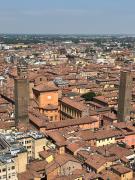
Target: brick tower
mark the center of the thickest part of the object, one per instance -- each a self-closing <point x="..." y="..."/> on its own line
<point x="21" y="94"/>
<point x="125" y="96"/>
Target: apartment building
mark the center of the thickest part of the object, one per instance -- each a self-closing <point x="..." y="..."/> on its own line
<point x="46" y="97"/>
<point x="70" y="108"/>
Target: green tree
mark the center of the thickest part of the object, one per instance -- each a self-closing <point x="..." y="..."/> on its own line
<point x="88" y="96"/>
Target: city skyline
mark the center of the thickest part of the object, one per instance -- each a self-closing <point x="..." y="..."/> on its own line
<point x="67" y="17"/>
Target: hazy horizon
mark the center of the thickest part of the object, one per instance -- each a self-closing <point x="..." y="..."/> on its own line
<point x="72" y="17"/>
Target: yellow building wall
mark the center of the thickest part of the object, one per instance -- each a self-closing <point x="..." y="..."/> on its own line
<point x="42" y="130"/>
<point x="80" y="178"/>
<point x="106" y="165"/>
<point x="27" y="143"/>
<point x="31" y="86"/>
<point x="54" y="114"/>
<point x="38" y="145"/>
<point x="62" y="150"/>
<point x="37" y="178"/>
<point x="105" y="142"/>
<point x="127" y="176"/>
<point x="8" y="171"/>
<point x="21" y="162"/>
<point x="49" y="159"/>
<point x="53" y="174"/>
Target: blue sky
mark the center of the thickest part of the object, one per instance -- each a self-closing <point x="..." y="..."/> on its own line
<point x="67" y="16"/>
